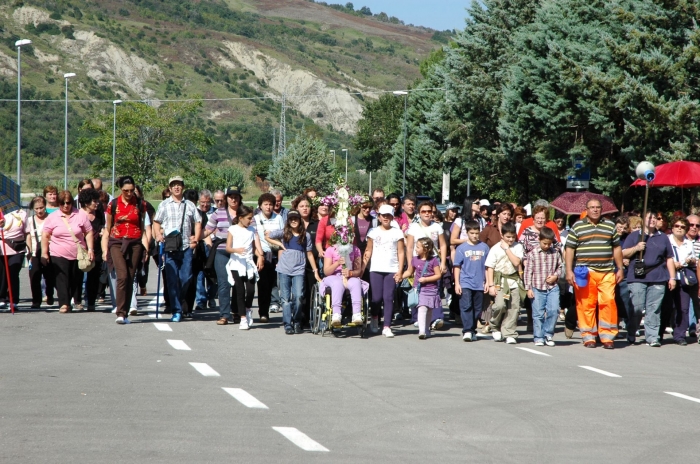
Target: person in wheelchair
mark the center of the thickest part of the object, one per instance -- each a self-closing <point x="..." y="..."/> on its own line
<point x="341" y="276"/>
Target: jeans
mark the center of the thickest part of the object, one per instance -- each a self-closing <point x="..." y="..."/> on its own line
<point x="206" y="289"/>
<point x="178" y="275"/>
<point x="223" y="287"/>
<point x="291" y="290"/>
<point x="470" y="305"/>
<point x="646" y="297"/>
<point x="623" y="300"/>
<point x="545" y="310"/>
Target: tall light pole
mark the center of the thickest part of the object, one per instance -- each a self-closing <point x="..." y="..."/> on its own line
<point x="19" y="44"/>
<point x="333" y="152"/>
<point x="66" y="76"/>
<point x="346" y="165"/>
<point x="405" y="112"/>
<point x="114" y="142"/>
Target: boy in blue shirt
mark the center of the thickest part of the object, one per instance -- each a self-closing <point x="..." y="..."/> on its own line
<point x="470" y="278"/>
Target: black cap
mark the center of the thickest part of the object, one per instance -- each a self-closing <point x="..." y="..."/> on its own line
<point x="233" y="190"/>
<point x="293" y="213"/>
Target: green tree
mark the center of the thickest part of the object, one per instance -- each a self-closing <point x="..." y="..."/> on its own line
<point x="307" y="163"/>
<point x="151" y="142"/>
<point x="378" y="129"/>
<point x="201" y="175"/>
<point x="261" y="170"/>
<point x="612" y="82"/>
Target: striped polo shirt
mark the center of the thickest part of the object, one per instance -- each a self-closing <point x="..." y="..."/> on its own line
<point x="593" y="244"/>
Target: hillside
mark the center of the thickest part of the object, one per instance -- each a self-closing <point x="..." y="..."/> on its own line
<point x="230" y="52"/>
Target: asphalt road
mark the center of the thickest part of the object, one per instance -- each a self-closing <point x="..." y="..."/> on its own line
<point x="80" y="388"/>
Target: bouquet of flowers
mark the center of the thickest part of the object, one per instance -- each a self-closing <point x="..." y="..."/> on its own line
<point x="342" y="201"/>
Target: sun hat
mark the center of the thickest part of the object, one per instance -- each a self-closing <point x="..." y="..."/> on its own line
<point x="386" y="209"/>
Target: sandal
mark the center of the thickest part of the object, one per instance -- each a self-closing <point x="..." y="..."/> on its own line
<point x="65" y="309"/>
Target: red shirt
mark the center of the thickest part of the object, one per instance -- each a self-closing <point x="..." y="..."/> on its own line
<point x="324" y="231"/>
<point x="126" y="222"/>
<point x="527" y="222"/>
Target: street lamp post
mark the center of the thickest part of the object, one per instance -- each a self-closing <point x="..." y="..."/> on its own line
<point x="114" y="142"/>
<point x="346" y="165"/>
<point x="333" y="152"/>
<point x="66" y="76"/>
<point x="19" y="44"/>
<point x="405" y="112"/>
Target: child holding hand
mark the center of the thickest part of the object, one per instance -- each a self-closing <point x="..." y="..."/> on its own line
<point x="427" y="273"/>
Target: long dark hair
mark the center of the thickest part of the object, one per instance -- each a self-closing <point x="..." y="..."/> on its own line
<point x="289" y="232"/>
<point x="243" y="210"/>
<point x="467" y="213"/>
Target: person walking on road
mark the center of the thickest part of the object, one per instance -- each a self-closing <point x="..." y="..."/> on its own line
<point x="593" y="246"/>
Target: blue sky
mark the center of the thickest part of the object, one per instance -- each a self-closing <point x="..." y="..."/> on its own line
<point x="438" y="14"/>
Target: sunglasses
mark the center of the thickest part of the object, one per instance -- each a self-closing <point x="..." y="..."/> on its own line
<point x="65" y="203"/>
<point x="128" y="190"/>
<point x="427" y="211"/>
<point x="679" y="226"/>
<point x="693" y="225"/>
<point x="659" y="218"/>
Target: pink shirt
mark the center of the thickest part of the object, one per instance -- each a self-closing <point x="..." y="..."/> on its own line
<point x="15" y="229"/>
<point x="61" y="243"/>
<point x="332" y="252"/>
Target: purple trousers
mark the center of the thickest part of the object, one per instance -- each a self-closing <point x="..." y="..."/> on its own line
<point x="335" y="282"/>
<point x="383" y="286"/>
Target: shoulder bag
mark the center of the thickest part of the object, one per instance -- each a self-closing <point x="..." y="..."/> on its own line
<point x="84" y="262"/>
<point x="174" y="242"/>
<point x="414" y="292"/>
<point x="688" y="277"/>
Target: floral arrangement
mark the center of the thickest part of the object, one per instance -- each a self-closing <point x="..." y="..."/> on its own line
<point x="342" y="201"/>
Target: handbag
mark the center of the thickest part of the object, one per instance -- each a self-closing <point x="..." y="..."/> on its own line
<point x="688" y="277"/>
<point x="414" y="292"/>
<point x="84" y="262"/>
<point x="174" y="242"/>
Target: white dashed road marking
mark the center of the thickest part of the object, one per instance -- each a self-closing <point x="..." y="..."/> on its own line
<point x="163" y="327"/>
<point x="300" y="439"/>
<point x="600" y="371"/>
<point x="685" y="397"/>
<point x="205" y="370"/>
<point x="179" y="345"/>
<point x="529" y="350"/>
<point x="245" y="398"/>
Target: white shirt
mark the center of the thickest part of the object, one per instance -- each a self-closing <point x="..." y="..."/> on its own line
<point x="385" y="257"/>
<point x="275" y="222"/>
<point x="498" y="260"/>
<point x="242" y="238"/>
<point x="682" y="252"/>
<point x="433" y="232"/>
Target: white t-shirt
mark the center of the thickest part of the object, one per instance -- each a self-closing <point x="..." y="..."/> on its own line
<point x="433" y="232"/>
<point x="242" y="238"/>
<point x="499" y="261"/>
<point x="385" y="257"/>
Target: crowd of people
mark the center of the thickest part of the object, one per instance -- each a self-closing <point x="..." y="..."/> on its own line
<point x="607" y="277"/>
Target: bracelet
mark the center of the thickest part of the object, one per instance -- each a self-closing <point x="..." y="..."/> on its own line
<point x="491" y="286"/>
<point x="315" y="270"/>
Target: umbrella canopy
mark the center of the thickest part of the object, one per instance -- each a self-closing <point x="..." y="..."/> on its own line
<point x="575" y="202"/>
<point x="10" y="199"/>
<point x="684" y="174"/>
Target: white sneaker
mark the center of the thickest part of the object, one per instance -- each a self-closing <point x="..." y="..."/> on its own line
<point x="549" y="342"/>
<point x="248" y="318"/>
<point x="274" y="308"/>
<point x="422" y="336"/>
<point x="467" y="337"/>
<point x="539" y="343"/>
<point x="511" y="341"/>
<point x="127" y="321"/>
<point x="114" y="311"/>
<point x="387" y="332"/>
<point x="357" y="319"/>
<point x="243" y="325"/>
<point x="336" y="320"/>
<point x="133" y="312"/>
<point x="437" y="324"/>
<point x="120" y="320"/>
<point x="497" y="337"/>
<point x="415" y="324"/>
<point x="374" y="325"/>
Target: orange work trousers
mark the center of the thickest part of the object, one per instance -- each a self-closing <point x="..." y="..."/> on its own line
<point x="600" y="291"/>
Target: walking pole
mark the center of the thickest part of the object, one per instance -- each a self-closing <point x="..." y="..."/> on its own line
<point x="7" y="266"/>
<point x="160" y="271"/>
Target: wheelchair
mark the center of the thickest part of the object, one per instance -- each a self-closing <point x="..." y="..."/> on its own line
<point x="322" y="312"/>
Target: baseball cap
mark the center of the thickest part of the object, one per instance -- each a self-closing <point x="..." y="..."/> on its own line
<point x="293" y="213"/>
<point x="581" y="275"/>
<point x="176" y="179"/>
<point x="233" y="190"/>
<point x="386" y="209"/>
<point x="484" y="203"/>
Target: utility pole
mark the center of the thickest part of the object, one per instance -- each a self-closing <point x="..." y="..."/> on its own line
<point x="282" y="145"/>
<point x="274" y="143"/>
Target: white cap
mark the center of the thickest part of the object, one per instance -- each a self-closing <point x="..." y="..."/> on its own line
<point x="386" y="209"/>
<point x="484" y="203"/>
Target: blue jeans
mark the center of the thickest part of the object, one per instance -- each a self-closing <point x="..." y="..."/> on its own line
<point x="646" y="297"/>
<point x="291" y="290"/>
<point x="178" y="274"/>
<point x="223" y="286"/>
<point x="545" y="309"/>
<point x="206" y="289"/>
<point x="470" y="305"/>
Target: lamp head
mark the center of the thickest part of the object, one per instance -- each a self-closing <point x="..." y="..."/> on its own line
<point x="646" y="171"/>
<point x="21" y="42"/>
<point x="116" y="102"/>
<point x="68" y="75"/>
<point x="400" y="92"/>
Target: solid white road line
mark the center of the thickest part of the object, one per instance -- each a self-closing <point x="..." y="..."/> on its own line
<point x="600" y="371"/>
<point x="300" y="439"/>
<point x="685" y="397"/>
<point x="205" y="370"/>
<point x="245" y="398"/>
<point x="179" y="345"/>
<point x="530" y="350"/>
<point x="162" y="326"/>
